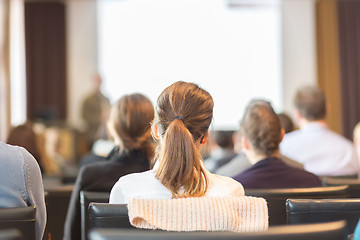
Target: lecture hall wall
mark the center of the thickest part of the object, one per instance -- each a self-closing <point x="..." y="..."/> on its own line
<point x="298" y="41"/>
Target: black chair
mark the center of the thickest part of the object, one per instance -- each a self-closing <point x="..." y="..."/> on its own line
<point x="10" y="234"/>
<point x="328" y="231"/>
<point x="104" y="215"/>
<point x="276" y="198"/>
<point x="85" y="199"/>
<point x="341" y="177"/>
<point x="57" y="203"/>
<point x="21" y="218"/>
<point x="324" y="210"/>
<point x="354" y="185"/>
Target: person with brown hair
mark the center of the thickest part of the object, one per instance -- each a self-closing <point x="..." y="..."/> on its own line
<point x="130" y="126"/>
<point x="24" y="136"/>
<point x="261" y="134"/>
<point x="183" y="116"/>
<point x="322" y="151"/>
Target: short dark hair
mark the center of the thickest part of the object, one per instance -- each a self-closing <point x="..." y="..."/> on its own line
<point x="311" y="103"/>
<point x="224" y="139"/>
<point x="262" y="128"/>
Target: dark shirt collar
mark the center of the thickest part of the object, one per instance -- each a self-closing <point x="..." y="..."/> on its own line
<point x="267" y="161"/>
<point x="127" y="156"/>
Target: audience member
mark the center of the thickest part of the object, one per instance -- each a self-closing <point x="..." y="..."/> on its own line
<point x="95" y="109"/>
<point x="322" y="151"/>
<point x="240" y="162"/>
<point x="222" y="150"/>
<point x="129" y="125"/>
<point x="25" y="136"/>
<point x="235" y="166"/>
<point x="261" y="135"/>
<point x="21" y="183"/>
<point x="183" y="116"/>
<point x="47" y="142"/>
<point x="286" y="122"/>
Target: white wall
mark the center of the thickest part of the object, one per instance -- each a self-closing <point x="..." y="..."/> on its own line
<point x="298" y="44"/>
<point x="17" y="63"/>
<point x="81" y="54"/>
<point x="299" y="48"/>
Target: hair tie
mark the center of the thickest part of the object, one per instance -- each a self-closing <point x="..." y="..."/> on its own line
<point x="179" y="117"/>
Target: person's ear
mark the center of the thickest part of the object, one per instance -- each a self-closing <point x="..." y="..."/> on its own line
<point x="205" y="138"/>
<point x="244" y="142"/>
<point x="298" y="115"/>
<point x="237" y="141"/>
<point x="155" y="131"/>
<point x="282" y="134"/>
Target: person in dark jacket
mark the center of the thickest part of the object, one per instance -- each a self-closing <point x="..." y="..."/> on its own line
<point x="261" y="134"/>
<point x="129" y="124"/>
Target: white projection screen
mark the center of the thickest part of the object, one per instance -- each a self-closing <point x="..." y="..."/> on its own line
<point x="234" y="52"/>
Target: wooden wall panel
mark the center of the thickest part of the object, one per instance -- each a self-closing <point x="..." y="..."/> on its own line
<point x="45" y="59"/>
<point x="328" y="60"/>
<point x="349" y="39"/>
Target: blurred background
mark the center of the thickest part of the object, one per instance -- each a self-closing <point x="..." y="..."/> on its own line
<point x="56" y="54"/>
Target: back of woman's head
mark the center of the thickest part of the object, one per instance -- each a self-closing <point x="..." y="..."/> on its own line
<point x="130" y="122"/>
<point x="25" y="136"/>
<point x="183" y="116"/>
<point x="261" y="127"/>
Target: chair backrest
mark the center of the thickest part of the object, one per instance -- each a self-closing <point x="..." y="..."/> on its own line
<point x="21" y="218"/>
<point x="85" y="199"/>
<point x="328" y="231"/>
<point x="105" y="215"/>
<point x="354" y="185"/>
<point x="276" y="198"/>
<point x="57" y="203"/>
<point x="324" y="210"/>
<point x="10" y="234"/>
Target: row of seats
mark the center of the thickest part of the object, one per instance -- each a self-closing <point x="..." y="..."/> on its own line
<point x="299" y="211"/>
<point x="328" y="231"/>
<point x="57" y="203"/>
<point x="275" y="197"/>
<point x="115" y="216"/>
<point x="281" y="210"/>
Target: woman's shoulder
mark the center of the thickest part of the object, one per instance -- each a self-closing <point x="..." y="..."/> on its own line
<point x="223" y="180"/>
<point x="225" y="185"/>
<point x="137" y="185"/>
<point x="135" y="178"/>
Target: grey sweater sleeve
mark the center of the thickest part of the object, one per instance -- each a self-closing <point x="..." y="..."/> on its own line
<point x="35" y="191"/>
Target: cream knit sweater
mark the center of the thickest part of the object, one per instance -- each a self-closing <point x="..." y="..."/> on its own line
<point x="237" y="214"/>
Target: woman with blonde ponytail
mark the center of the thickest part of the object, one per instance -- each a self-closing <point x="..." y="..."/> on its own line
<point x="182" y="118"/>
